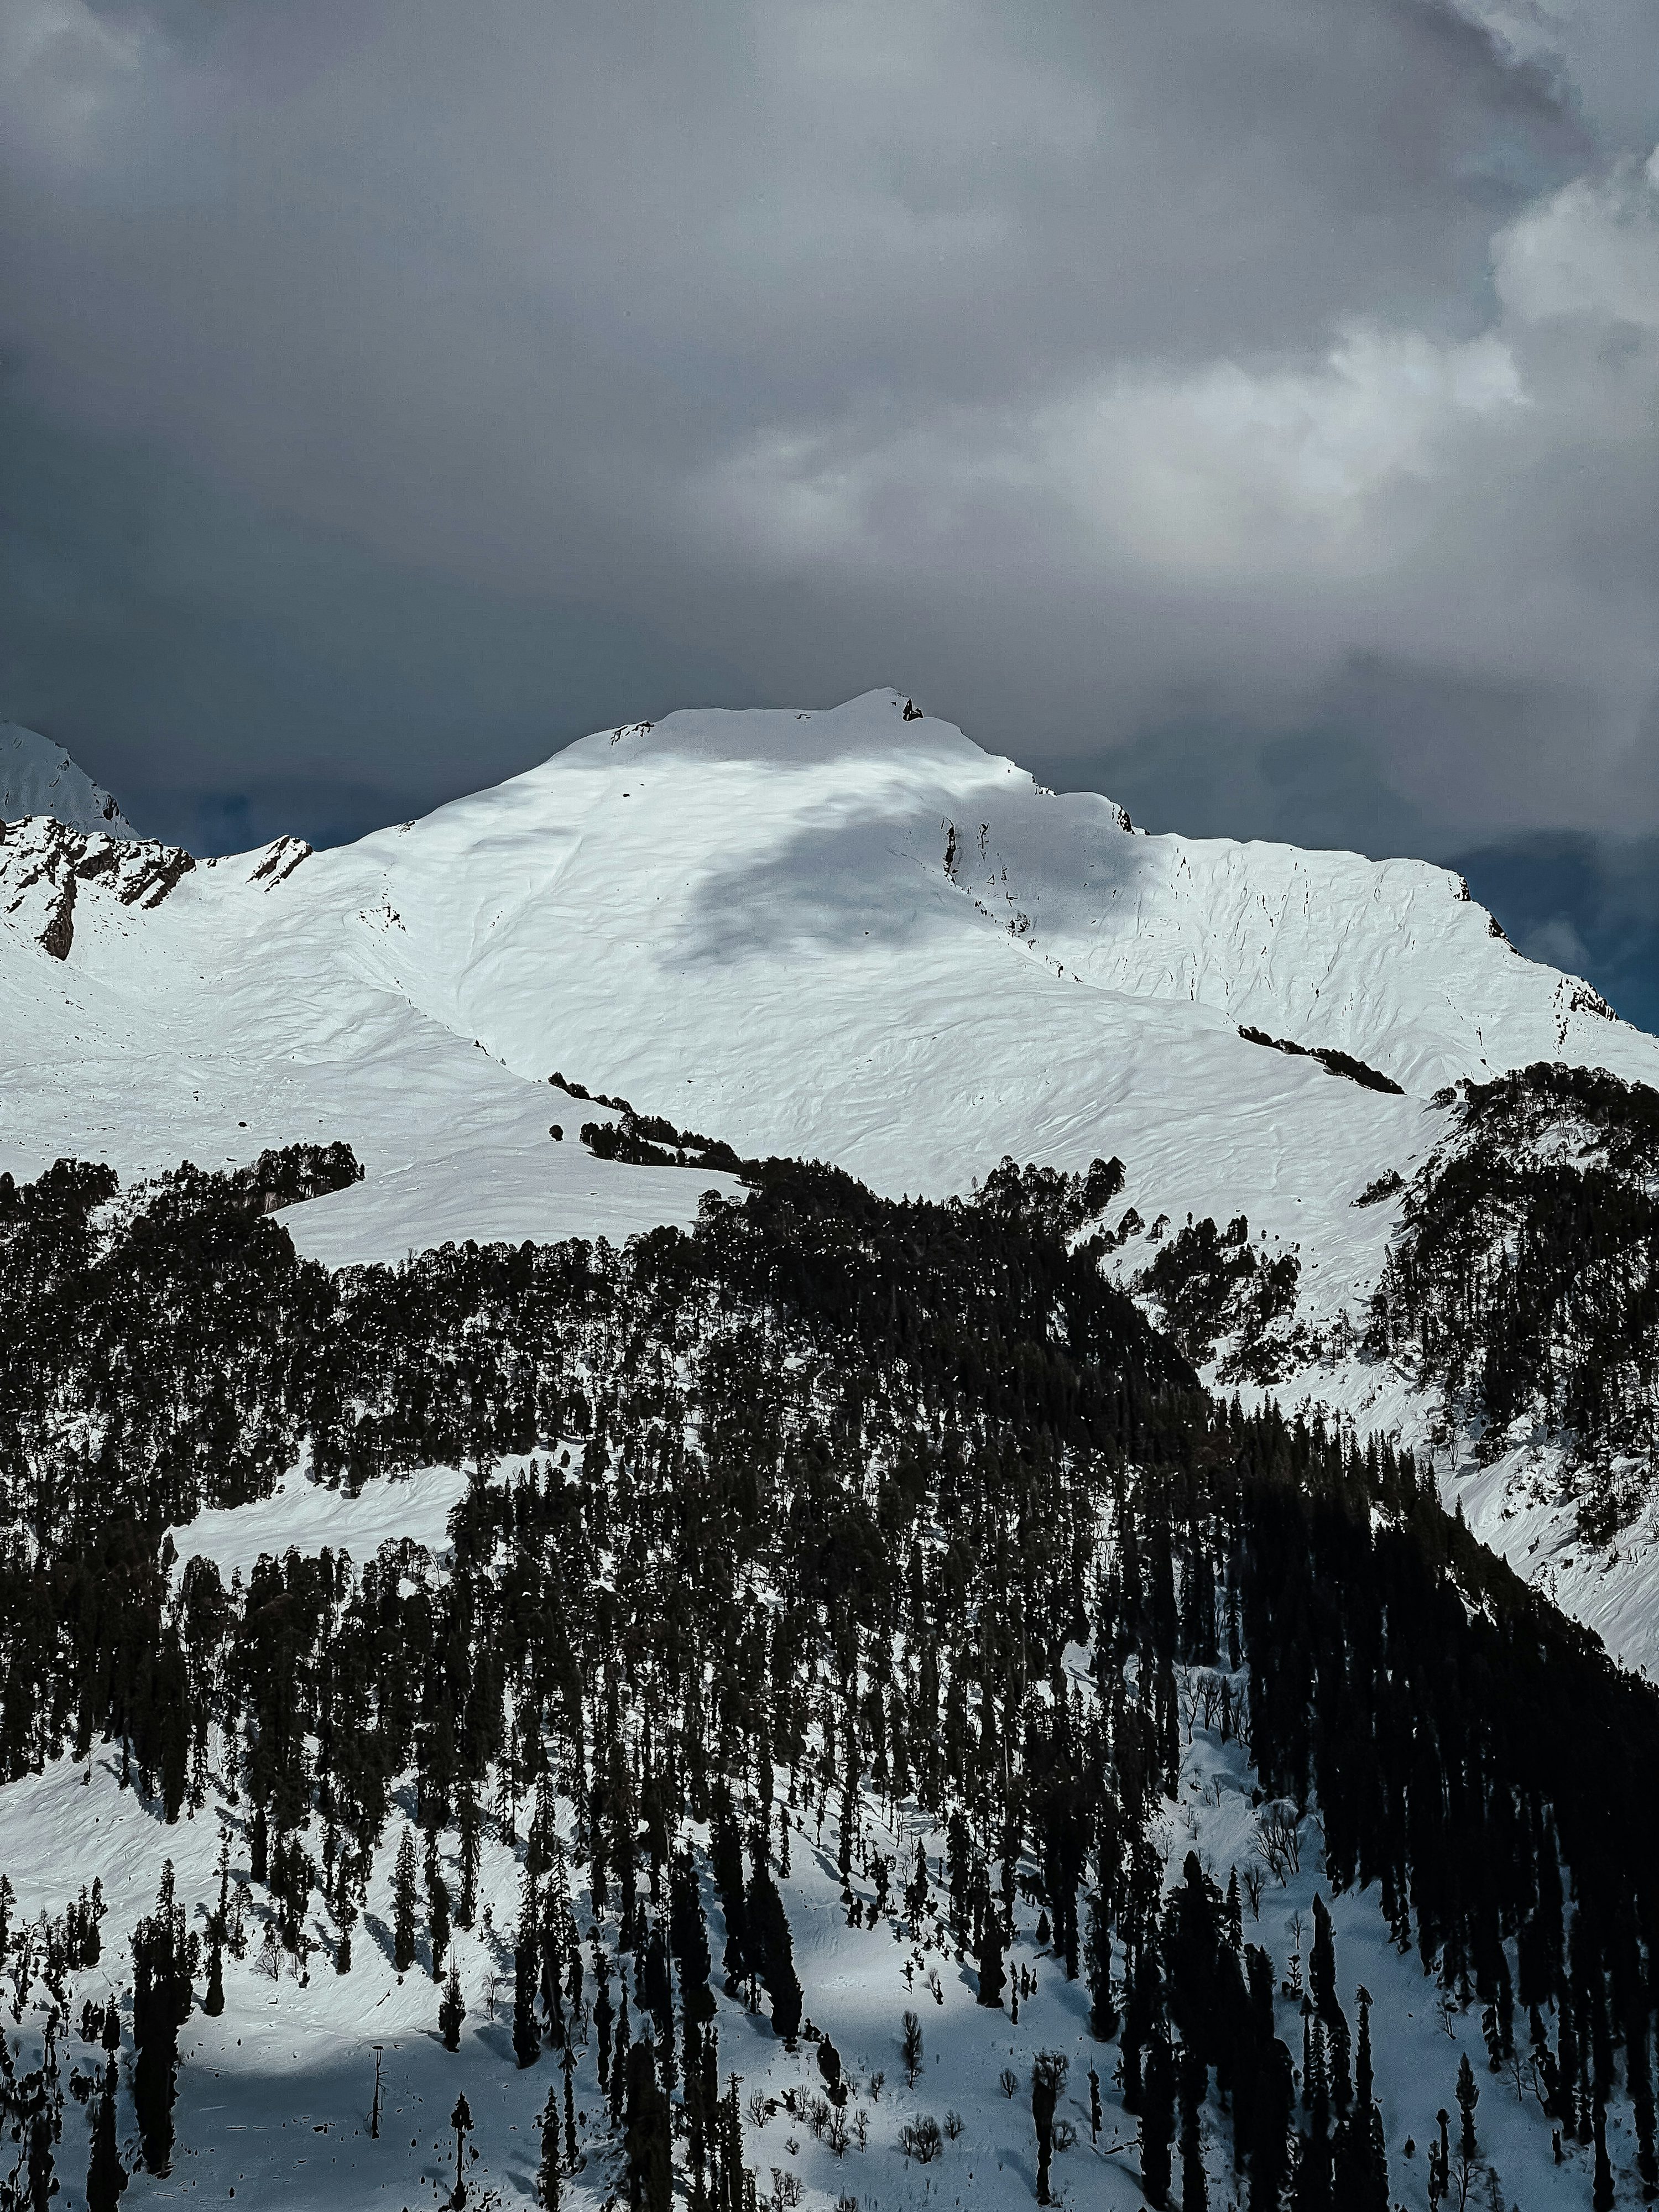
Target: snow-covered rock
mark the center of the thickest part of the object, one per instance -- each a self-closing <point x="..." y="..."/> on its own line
<point x="38" y="777"/>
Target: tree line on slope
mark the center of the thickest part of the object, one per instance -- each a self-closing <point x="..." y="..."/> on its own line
<point x="1525" y="1282"/>
<point x="816" y="1496"/>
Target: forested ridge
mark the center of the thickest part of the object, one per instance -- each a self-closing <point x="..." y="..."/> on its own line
<point x="806" y="1508"/>
<point x="1524" y="1284"/>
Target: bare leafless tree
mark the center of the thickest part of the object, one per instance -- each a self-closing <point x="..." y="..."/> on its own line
<point x="1278" y="1828"/>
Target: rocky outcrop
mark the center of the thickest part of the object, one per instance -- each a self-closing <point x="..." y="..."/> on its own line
<point x="44" y="863"/>
<point x="59" y="934"/>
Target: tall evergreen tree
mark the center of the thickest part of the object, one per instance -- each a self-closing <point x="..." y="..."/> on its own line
<point x="461" y="2120"/>
<point x="1468" y="2096"/>
<point x="1312" y="2191"/>
<point x="526" y="2034"/>
<point x="161" y="2005"/>
<point x="42" y="2185"/>
<point x="992" y="1978"/>
<point x="437" y="1900"/>
<point x="1157" y="2118"/>
<point x="646" y="2142"/>
<point x="1097" y="1968"/>
<point x="213" y="2000"/>
<point x="550" y="2172"/>
<point x="1601" y="2189"/>
<point x="107" y="2178"/>
<point x="404" y="1903"/>
<point x="1193" y="2078"/>
<point x="771" y="1952"/>
<point x="452" y="2012"/>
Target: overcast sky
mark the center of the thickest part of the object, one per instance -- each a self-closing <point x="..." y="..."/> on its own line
<point x="1251" y="410"/>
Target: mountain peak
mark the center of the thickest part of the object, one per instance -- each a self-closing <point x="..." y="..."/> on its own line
<point x="38" y="777"/>
<point x="876" y="722"/>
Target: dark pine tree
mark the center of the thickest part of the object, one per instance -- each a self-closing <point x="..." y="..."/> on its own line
<point x="42" y="2187"/>
<point x="1097" y="1968"/>
<point x="646" y="2141"/>
<point x="105" y="2175"/>
<point x="213" y="2002"/>
<point x="451" y="2011"/>
<point x="437" y="1896"/>
<point x="1602" y="2193"/>
<point x="526" y="2034"/>
<point x="161" y="2005"/>
<point x="1194" y="2080"/>
<point x="461" y="2120"/>
<point x="771" y="1952"/>
<point x="548" y="2174"/>
<point x="1048" y="2079"/>
<point x="1157" y="2118"/>
<point x="404" y="1903"/>
<point x="1312" y="2189"/>
<point x="993" y="1980"/>
<point x="1468" y="2096"/>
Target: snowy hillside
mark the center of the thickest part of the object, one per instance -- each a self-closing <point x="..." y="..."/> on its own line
<point x="38" y="777"/>
<point x="846" y="935"/>
<point x="849" y="934"/>
<point x="724" y="1768"/>
<point x="459" y="1607"/>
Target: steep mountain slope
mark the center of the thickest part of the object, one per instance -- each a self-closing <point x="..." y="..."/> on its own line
<point x="38" y="777"/>
<point x="864" y="1589"/>
<point x="849" y="934"/>
<point x="857" y="1594"/>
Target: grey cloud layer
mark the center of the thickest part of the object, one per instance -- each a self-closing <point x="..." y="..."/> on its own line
<point x="1174" y="384"/>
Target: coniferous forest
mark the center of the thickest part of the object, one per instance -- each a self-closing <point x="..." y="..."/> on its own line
<point x="1525" y="1285"/>
<point x="831" y="1506"/>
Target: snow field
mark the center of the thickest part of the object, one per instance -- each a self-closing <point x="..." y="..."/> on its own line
<point x="303" y="1515"/>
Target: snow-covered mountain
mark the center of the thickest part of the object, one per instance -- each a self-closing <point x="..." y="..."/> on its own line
<point x="850" y="936"/>
<point x="38" y="777"/>
<point x="846" y="935"/>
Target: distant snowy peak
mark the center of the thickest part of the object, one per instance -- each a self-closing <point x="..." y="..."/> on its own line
<point x="38" y="777"/>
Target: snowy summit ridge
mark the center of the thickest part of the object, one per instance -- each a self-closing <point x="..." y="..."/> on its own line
<point x="846" y="934"/>
<point x="38" y="777"/>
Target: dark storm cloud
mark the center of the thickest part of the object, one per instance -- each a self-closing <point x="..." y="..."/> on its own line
<point x="1247" y="404"/>
<point x="238" y="675"/>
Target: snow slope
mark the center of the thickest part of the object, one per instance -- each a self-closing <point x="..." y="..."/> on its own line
<point x="844" y="933"/>
<point x="38" y="777"/>
<point x="850" y="934"/>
